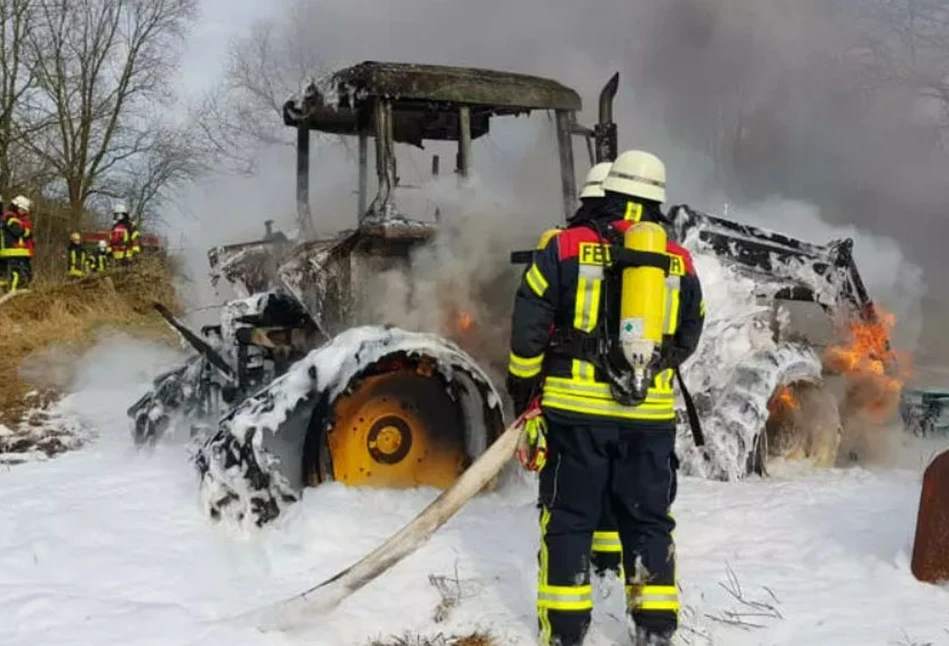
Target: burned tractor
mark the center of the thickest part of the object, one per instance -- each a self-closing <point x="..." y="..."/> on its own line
<point x="291" y="391"/>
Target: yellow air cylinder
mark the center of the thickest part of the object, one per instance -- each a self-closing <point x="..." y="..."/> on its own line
<point x="642" y="301"/>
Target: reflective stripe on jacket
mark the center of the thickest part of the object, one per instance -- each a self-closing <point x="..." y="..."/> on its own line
<point x="119" y="241"/>
<point x="13" y="237"/>
<point x="564" y="288"/>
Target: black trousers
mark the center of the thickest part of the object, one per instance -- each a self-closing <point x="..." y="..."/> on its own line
<point x="18" y="273"/>
<point x="607" y="555"/>
<point x="589" y="464"/>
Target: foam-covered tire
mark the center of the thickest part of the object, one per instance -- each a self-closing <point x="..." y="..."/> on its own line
<point x="736" y="413"/>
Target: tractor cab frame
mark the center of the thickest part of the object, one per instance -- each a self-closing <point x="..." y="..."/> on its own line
<point x="406" y="103"/>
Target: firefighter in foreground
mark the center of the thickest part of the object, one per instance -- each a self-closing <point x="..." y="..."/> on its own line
<point x="603" y="316"/>
<point x="16" y="244"/>
<point x="76" y="259"/>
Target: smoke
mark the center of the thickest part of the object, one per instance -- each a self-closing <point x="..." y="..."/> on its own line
<point x="895" y="282"/>
<point x="462" y="284"/>
<point x="114" y="360"/>
<point x="773" y="110"/>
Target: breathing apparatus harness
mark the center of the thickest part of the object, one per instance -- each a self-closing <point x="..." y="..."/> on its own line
<point x="601" y="347"/>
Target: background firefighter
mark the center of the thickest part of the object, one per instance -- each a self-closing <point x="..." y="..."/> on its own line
<point x="135" y="243"/>
<point x="565" y="326"/>
<point x="15" y="244"/>
<point x="607" y="550"/>
<point x="76" y="259"/>
<point x="120" y="239"/>
<point x="98" y="261"/>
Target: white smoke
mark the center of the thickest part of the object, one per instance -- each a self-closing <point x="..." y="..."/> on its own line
<point x="892" y="280"/>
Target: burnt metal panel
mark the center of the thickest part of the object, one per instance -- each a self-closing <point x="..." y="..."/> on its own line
<point x="462" y="85"/>
<point x="425" y="100"/>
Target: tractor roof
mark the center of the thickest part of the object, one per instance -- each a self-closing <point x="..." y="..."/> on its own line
<point x="425" y="99"/>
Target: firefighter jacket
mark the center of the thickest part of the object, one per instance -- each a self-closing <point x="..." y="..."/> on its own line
<point x="76" y="260"/>
<point x="120" y="241"/>
<point x="28" y="241"/>
<point x="98" y="261"/>
<point x="135" y="246"/>
<point x="564" y="291"/>
<point x="14" y="236"/>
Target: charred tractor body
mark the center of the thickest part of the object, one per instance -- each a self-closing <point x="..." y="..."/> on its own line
<point x="289" y="391"/>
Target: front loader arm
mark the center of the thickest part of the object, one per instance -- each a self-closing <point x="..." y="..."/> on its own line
<point x="824" y="274"/>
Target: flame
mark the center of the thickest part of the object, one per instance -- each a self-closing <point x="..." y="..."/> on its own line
<point x="783" y="401"/>
<point x="464" y="322"/>
<point x="869" y="364"/>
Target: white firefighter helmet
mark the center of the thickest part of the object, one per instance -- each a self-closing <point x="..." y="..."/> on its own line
<point x="638" y="173"/>
<point x="22" y="203"/>
<point x="101" y="245"/>
<point x="593" y="184"/>
<point x="119" y="210"/>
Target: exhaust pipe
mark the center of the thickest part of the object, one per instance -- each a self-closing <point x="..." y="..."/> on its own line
<point x="604" y="131"/>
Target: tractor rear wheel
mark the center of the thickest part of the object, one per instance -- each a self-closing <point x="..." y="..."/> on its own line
<point x="803" y="426"/>
<point x="397" y="429"/>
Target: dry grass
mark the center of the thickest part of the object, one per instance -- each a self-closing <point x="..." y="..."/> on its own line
<point x="70" y="314"/>
<point x="475" y="639"/>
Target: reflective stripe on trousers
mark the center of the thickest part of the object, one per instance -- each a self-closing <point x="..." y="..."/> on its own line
<point x="561" y="598"/>
<point x="645" y="598"/>
<point x="607" y="542"/>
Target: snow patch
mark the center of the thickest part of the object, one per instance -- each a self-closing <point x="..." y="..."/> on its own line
<point x="105" y="546"/>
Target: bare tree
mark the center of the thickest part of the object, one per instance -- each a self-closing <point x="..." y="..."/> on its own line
<point x="274" y="62"/>
<point x="16" y="79"/>
<point x="102" y="67"/>
<point x="169" y="159"/>
<point x="909" y="45"/>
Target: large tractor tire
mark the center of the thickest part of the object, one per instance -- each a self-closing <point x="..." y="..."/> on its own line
<point x="804" y="426"/>
<point x="745" y="425"/>
<point x="374" y="407"/>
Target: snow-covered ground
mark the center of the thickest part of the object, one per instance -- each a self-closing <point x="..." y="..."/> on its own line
<point x="106" y="545"/>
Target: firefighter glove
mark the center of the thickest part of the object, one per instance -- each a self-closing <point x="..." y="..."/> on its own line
<point x="522" y="391"/>
<point x="532" y="443"/>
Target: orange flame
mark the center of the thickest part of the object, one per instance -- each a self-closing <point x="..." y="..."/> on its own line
<point x="783" y="400"/>
<point x="464" y="321"/>
<point x="866" y="360"/>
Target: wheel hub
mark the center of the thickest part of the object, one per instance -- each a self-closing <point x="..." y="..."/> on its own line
<point x="395" y="429"/>
<point x="389" y="440"/>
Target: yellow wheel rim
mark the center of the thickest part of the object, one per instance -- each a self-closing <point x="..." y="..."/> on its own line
<point x="398" y="429"/>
